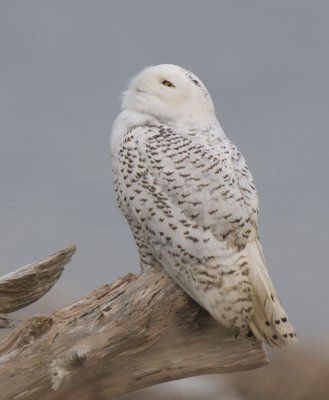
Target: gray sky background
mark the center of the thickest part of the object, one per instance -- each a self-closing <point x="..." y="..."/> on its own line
<point x="63" y="66"/>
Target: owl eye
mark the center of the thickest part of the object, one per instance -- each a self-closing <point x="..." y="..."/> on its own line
<point x="167" y="83"/>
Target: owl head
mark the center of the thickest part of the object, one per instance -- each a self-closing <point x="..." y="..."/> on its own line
<point x="171" y="94"/>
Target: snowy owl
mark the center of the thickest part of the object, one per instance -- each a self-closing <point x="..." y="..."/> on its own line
<point x="191" y="202"/>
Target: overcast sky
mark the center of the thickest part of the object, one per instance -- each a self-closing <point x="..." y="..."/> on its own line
<point x="63" y="66"/>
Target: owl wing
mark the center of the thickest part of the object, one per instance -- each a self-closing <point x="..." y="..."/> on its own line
<point x="182" y="201"/>
<point x="209" y="182"/>
<point x="185" y="201"/>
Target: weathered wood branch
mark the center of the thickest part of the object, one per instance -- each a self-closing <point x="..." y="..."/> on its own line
<point x="26" y="285"/>
<point x="139" y="331"/>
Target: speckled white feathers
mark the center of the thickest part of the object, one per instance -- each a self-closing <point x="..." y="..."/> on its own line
<point x="190" y="200"/>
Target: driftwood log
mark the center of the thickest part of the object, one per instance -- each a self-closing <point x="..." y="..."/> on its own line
<point x="139" y="331"/>
<point x="20" y="288"/>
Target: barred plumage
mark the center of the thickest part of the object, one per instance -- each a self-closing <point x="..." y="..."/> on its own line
<point x="191" y="202"/>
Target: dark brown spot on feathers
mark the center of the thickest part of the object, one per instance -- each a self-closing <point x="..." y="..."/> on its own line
<point x="173" y="227"/>
<point x="192" y="238"/>
<point x="195" y="215"/>
<point x="211" y="212"/>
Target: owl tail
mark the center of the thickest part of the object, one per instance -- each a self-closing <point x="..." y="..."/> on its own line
<point x="269" y="322"/>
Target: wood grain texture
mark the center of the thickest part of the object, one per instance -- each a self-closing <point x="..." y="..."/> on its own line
<point x="139" y="331"/>
<point x="24" y="286"/>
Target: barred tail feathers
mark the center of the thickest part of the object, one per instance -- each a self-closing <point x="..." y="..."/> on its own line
<point x="269" y="322"/>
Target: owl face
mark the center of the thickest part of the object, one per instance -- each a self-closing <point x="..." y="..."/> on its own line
<point x="169" y="93"/>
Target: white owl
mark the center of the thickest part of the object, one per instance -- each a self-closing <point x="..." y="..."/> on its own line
<point x="191" y="202"/>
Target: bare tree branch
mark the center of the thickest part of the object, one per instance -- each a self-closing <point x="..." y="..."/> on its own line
<point x="139" y="331"/>
<point x="5" y="321"/>
<point x="20" y="288"/>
